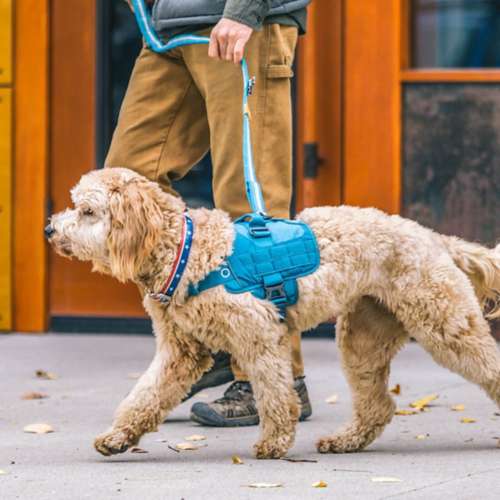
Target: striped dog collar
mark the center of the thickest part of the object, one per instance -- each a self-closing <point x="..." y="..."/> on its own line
<point x="167" y="291"/>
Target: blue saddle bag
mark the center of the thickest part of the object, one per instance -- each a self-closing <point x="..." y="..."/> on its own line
<point x="267" y="258"/>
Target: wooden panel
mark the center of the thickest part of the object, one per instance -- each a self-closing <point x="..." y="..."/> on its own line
<point x="320" y="104"/>
<point x="450" y="75"/>
<point x="31" y="160"/>
<point x="5" y="210"/>
<point x="5" y="41"/>
<point x="74" y="290"/>
<point x="372" y="103"/>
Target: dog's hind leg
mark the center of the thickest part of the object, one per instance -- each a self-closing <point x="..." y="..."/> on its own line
<point x="174" y="369"/>
<point x="266" y="359"/>
<point x="451" y="327"/>
<point x="368" y="339"/>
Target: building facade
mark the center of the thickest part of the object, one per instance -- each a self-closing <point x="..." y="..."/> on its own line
<point x="397" y="106"/>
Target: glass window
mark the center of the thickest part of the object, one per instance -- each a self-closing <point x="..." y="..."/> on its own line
<point x="451" y="174"/>
<point x="455" y="33"/>
<point x="118" y="46"/>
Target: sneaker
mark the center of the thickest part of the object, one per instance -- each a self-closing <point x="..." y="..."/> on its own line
<point x="219" y="374"/>
<point x="237" y="407"/>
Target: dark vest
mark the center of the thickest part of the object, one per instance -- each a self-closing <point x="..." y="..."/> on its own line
<point x="171" y="14"/>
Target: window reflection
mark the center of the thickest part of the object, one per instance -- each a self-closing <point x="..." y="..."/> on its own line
<point x="456" y="33"/>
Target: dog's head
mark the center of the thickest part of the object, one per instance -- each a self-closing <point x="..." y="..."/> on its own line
<point x="118" y="219"/>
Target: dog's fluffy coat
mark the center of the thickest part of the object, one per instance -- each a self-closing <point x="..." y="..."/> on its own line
<point x="383" y="277"/>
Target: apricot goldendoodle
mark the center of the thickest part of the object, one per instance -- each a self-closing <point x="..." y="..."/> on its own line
<point x="384" y="278"/>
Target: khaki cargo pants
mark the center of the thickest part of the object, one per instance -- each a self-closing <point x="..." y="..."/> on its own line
<point x="181" y="104"/>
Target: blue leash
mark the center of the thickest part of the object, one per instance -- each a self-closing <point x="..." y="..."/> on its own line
<point x="253" y="189"/>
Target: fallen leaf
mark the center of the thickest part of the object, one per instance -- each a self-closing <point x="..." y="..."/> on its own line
<point x="265" y="485"/>
<point x="38" y="428"/>
<point x="34" y="395"/>
<point x="466" y="420"/>
<point x="134" y="375"/>
<point x="186" y="446"/>
<point x="236" y="460"/>
<point x="386" y="480"/>
<point x="138" y="450"/>
<point x="405" y="412"/>
<point x="300" y="460"/>
<point x="331" y="400"/>
<point x="458" y="408"/>
<point x="45" y="375"/>
<point x="195" y="437"/>
<point x="420" y="404"/>
<point x="173" y="449"/>
<point x="396" y="390"/>
<point x="319" y="484"/>
<point x="161" y="440"/>
<point x="422" y="436"/>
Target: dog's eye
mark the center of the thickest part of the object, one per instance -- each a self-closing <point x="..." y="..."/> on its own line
<point x="88" y="212"/>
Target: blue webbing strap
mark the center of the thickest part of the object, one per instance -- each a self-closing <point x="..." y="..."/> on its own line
<point x="253" y="189"/>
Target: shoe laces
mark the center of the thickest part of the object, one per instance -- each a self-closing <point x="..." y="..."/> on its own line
<point x="235" y="392"/>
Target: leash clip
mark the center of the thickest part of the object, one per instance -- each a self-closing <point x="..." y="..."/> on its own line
<point x="161" y="297"/>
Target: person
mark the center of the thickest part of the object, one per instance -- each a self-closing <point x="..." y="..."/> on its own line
<point x="180" y="104"/>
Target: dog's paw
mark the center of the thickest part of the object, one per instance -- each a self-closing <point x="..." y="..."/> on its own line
<point x="114" y="442"/>
<point x="270" y="450"/>
<point x="338" y="443"/>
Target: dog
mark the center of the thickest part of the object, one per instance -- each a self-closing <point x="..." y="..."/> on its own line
<point x="385" y="278"/>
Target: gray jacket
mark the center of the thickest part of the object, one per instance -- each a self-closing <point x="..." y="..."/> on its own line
<point x="172" y="14"/>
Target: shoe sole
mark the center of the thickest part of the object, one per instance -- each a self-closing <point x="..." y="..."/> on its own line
<point x="204" y="415"/>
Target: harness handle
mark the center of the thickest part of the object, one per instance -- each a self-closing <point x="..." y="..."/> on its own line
<point x="154" y="42"/>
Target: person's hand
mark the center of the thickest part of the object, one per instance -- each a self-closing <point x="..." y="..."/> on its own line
<point x="148" y="2"/>
<point x="228" y="40"/>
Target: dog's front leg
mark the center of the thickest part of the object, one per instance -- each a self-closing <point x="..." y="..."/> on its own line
<point x="175" y="368"/>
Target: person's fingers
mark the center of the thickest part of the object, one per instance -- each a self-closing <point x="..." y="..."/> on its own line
<point x="232" y="41"/>
<point x="213" y="46"/>
<point x="239" y="50"/>
<point x="223" y="41"/>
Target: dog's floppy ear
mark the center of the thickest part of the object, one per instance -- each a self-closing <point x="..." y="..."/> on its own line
<point x="136" y="225"/>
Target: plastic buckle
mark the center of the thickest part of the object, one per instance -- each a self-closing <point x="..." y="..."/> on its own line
<point x="275" y="293"/>
<point x="259" y="231"/>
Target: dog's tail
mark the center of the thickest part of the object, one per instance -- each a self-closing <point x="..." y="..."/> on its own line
<point x="482" y="266"/>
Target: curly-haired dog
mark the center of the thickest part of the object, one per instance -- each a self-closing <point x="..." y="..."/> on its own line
<point x="385" y="278"/>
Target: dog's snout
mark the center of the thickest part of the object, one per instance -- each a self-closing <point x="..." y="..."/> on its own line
<point x="49" y="231"/>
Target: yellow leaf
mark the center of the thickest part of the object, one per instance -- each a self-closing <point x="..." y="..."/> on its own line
<point x="458" y="408"/>
<point x="466" y="420"/>
<point x="319" y="484"/>
<point x="195" y="437"/>
<point x="422" y="436"/>
<point x="186" y="446"/>
<point x="38" y="428"/>
<point x="331" y="400"/>
<point x="265" y="485"/>
<point x="420" y="404"/>
<point x="386" y="480"/>
<point x="405" y="412"/>
<point x="396" y="390"/>
<point x="45" y="375"/>
<point x="33" y="395"/>
<point x="236" y="460"/>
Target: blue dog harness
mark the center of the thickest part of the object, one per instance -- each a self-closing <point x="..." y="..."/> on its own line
<point x="269" y="255"/>
<point x="267" y="258"/>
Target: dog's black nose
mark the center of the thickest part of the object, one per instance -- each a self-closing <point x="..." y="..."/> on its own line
<point x="49" y="231"/>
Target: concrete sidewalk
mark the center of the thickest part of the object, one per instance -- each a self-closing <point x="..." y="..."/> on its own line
<point x="456" y="460"/>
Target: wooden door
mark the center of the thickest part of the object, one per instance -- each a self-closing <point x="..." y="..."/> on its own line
<point x="73" y="289"/>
